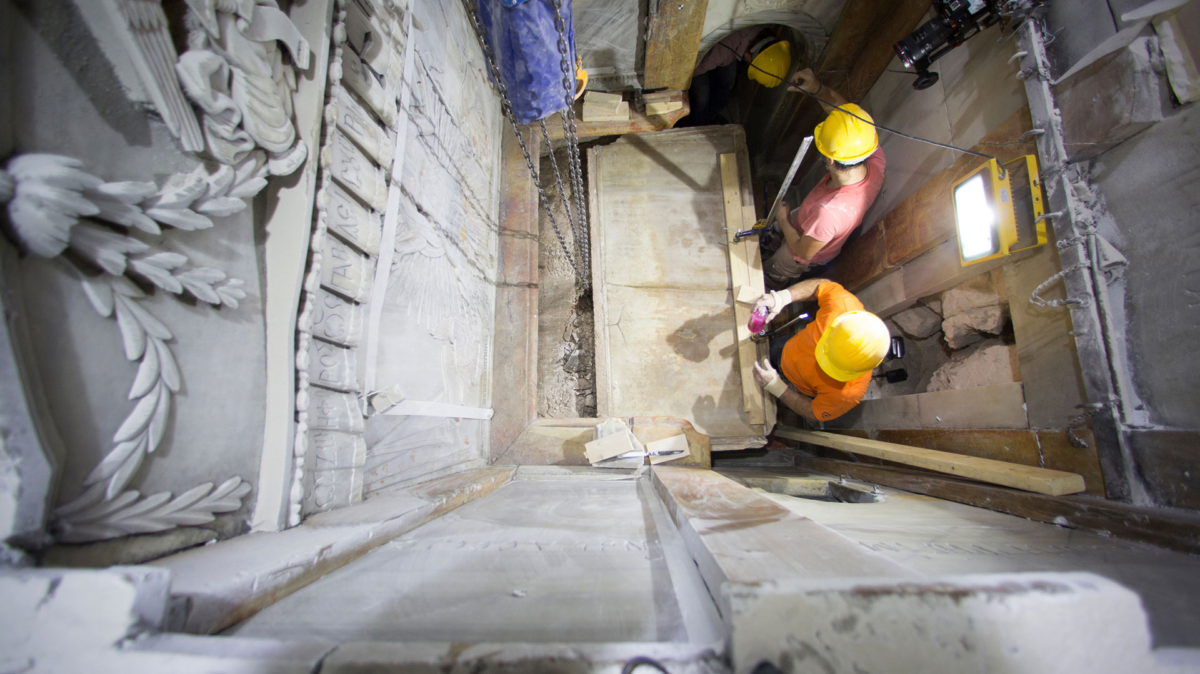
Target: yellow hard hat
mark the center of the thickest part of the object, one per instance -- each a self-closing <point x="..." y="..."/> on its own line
<point x="845" y="138"/>
<point x="771" y="65"/>
<point x="853" y="345"/>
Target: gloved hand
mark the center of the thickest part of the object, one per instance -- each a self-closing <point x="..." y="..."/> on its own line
<point x="774" y="301"/>
<point x="769" y="379"/>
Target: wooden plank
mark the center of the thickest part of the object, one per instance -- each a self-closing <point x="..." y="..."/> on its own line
<point x="638" y="122"/>
<point x="599" y="296"/>
<point x="1044" y="448"/>
<point x="1029" y="478"/>
<point x="757" y="281"/>
<point x="673" y="42"/>
<point x="752" y="395"/>
<point x="1173" y="529"/>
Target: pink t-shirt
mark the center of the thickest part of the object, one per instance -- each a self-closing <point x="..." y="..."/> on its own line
<point x="830" y="215"/>
<point x="738" y="43"/>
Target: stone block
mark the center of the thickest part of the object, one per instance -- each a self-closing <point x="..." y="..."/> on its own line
<point x="56" y="618"/>
<point x="1109" y="101"/>
<point x="918" y="322"/>
<point x="1045" y="622"/>
<point x="964" y="329"/>
<point x="986" y="364"/>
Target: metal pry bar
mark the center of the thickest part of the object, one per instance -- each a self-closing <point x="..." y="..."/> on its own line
<point x="761" y="225"/>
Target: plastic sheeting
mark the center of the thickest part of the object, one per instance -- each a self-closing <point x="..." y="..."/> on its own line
<point x="525" y="42"/>
<point x="608" y="34"/>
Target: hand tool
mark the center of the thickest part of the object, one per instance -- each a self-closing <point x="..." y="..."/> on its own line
<point x="762" y="225"/>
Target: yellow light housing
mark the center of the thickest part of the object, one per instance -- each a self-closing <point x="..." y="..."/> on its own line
<point x="984" y="212"/>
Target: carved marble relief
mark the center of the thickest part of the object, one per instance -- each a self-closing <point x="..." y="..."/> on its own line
<point x="235" y="72"/>
<point x="438" y="308"/>
<point x="53" y="205"/>
<point x="356" y="162"/>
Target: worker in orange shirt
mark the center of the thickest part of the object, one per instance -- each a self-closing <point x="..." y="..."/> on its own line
<point x="827" y="366"/>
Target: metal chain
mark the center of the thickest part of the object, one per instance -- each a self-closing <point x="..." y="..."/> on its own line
<point x="1036" y="296"/>
<point x="562" y="192"/>
<point x="569" y="133"/>
<point x="506" y="106"/>
<point x="1091" y="410"/>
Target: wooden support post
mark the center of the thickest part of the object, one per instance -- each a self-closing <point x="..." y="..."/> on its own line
<point x="740" y="273"/>
<point x="673" y="43"/>
<point x="1029" y="478"/>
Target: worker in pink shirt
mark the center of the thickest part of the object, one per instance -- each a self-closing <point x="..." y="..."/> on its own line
<point x="815" y="232"/>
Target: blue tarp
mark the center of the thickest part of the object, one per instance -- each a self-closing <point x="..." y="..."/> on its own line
<point x="525" y="43"/>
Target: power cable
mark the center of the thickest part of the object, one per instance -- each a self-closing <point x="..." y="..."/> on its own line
<point x="881" y="127"/>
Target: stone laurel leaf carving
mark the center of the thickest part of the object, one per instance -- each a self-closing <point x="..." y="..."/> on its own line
<point x="128" y="513"/>
<point x="50" y="198"/>
<point x="106" y="509"/>
<point x="53" y="204"/>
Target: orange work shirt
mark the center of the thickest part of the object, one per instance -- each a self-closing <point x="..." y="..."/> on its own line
<point x="831" y="398"/>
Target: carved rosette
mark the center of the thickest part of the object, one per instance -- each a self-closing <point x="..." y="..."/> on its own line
<point x="356" y="157"/>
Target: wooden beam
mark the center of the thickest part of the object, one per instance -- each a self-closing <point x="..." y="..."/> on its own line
<point x="1174" y="529"/>
<point x="739" y="272"/>
<point x="638" y="122"/>
<point x="1029" y="478"/>
<point x="673" y="43"/>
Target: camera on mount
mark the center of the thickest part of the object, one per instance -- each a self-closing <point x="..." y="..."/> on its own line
<point x="956" y="21"/>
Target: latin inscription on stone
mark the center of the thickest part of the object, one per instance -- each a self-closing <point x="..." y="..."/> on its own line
<point x="333" y="411"/>
<point x="358" y="78"/>
<point x="351" y="221"/>
<point x="331" y="366"/>
<point x="360" y="126"/>
<point x="351" y="168"/>
<point x="345" y="271"/>
<point x="333" y="470"/>
<point x="336" y="320"/>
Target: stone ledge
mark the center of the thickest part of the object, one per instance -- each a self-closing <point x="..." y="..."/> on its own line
<point x="229" y="581"/>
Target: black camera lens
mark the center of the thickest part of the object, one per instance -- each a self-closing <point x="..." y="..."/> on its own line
<point x="915" y="49"/>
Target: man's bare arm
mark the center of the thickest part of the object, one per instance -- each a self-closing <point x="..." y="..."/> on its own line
<point x="806" y="290"/>
<point x="806" y="80"/>
<point x="798" y="403"/>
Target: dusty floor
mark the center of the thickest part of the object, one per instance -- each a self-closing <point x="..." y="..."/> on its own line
<point x="566" y="341"/>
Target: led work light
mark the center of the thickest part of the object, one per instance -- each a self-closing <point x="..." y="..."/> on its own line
<point x="998" y="210"/>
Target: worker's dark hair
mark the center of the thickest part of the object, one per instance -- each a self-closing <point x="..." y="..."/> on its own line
<point x="842" y="167"/>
